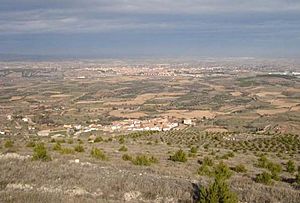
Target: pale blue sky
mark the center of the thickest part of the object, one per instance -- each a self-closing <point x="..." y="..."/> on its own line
<point x="134" y="28"/>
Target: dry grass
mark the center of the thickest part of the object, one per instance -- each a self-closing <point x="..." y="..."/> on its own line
<point x="189" y="114"/>
<point x="236" y="94"/>
<point x="126" y="114"/>
<point x="64" y="179"/>
<point x="59" y="180"/>
<point x="252" y="192"/>
<point x="141" y="99"/>
<point x="271" y="111"/>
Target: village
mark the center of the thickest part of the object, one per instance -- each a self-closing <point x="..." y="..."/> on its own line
<point x="122" y="126"/>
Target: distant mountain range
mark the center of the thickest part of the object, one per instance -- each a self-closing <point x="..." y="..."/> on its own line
<point x="30" y="57"/>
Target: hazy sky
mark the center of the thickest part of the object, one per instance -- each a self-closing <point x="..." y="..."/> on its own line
<point x="133" y="28"/>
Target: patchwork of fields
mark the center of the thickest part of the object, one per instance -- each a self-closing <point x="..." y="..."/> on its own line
<point x="62" y="138"/>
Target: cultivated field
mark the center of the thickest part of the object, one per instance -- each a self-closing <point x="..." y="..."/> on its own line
<point x="237" y="131"/>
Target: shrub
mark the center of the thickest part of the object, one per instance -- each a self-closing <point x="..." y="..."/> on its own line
<point x="123" y="149"/>
<point x="57" y="147"/>
<point x="265" y="178"/>
<point x="61" y="141"/>
<point x="30" y="144"/>
<point x="204" y="170"/>
<point x="263" y="162"/>
<point x="121" y="140"/>
<point x="98" y="139"/>
<point x="9" y="144"/>
<point x="193" y="150"/>
<point x="108" y="140"/>
<point x="222" y="171"/>
<point x="179" y="156"/>
<point x="230" y="154"/>
<point x="66" y="150"/>
<point x="274" y="167"/>
<point x="79" y="148"/>
<point x="70" y="141"/>
<point x="40" y="153"/>
<point x="275" y="176"/>
<point x="219" y="191"/>
<point x="290" y="166"/>
<point x="240" y="169"/>
<point x="143" y="160"/>
<point x="98" y="154"/>
<point x="126" y="157"/>
<point x="208" y="161"/>
<point x="154" y="160"/>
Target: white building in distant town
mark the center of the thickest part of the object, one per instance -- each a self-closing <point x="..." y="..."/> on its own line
<point x="25" y="120"/>
<point x="44" y="133"/>
<point x="187" y="122"/>
<point x="155" y="124"/>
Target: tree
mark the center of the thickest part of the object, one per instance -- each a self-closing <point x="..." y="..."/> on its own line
<point x="179" y="156"/>
<point x="290" y="166"/>
<point x="40" y="153"/>
<point x="265" y="178"/>
<point x="219" y="190"/>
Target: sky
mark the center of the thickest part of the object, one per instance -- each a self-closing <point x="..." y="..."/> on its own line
<point x="151" y="28"/>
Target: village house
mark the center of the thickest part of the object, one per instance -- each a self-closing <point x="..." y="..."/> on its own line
<point x="156" y="124"/>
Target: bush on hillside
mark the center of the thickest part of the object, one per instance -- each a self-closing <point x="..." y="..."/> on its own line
<point x="264" y="178"/>
<point x="30" y="144"/>
<point x="143" y="160"/>
<point x="57" y="147"/>
<point x="222" y="171"/>
<point x="9" y="144"/>
<point x="290" y="166"/>
<point x="123" y="149"/>
<point x="126" y="157"/>
<point x="66" y="150"/>
<point x="240" y="168"/>
<point x="40" y="153"/>
<point x="98" y="154"/>
<point x="79" y="148"/>
<point x="217" y="192"/>
<point x="179" y="156"/>
<point x="98" y="139"/>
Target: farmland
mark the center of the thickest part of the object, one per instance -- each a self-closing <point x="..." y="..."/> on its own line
<point x="111" y="131"/>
